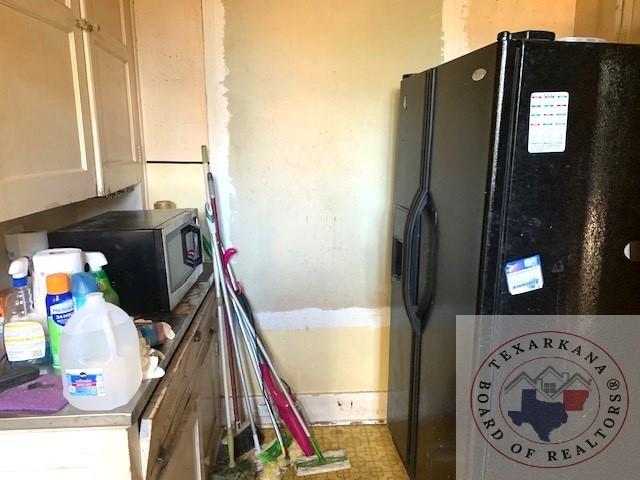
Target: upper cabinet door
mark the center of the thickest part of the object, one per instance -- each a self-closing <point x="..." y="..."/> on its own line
<point x="113" y="93"/>
<point x="46" y="156"/>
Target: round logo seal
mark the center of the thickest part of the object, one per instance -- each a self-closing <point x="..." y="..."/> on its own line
<point x="549" y="399"/>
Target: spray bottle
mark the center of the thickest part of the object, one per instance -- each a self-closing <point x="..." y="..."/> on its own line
<point x="26" y="334"/>
<point x="96" y="261"/>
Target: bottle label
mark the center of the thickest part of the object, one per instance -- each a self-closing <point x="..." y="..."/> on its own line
<point x="85" y="383"/>
<point x="61" y="312"/>
<point x="24" y="341"/>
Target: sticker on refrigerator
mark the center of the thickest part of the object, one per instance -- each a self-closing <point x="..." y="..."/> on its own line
<point x="548" y="113"/>
<point x="524" y="275"/>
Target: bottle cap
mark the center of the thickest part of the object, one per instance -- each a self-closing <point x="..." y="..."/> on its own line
<point x="19" y="269"/>
<point x="83" y="283"/>
<point x="19" y="282"/>
<point x="57" y="283"/>
<point x="93" y="298"/>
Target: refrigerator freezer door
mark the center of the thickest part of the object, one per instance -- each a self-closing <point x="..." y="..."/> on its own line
<point x="570" y="203"/>
<point x="575" y="203"/>
<point x="403" y="337"/>
<point x="460" y="161"/>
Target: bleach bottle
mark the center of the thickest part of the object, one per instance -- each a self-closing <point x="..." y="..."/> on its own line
<point x="100" y="356"/>
<point x="26" y="336"/>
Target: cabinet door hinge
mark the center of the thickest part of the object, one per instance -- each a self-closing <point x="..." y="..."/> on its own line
<point x="139" y="153"/>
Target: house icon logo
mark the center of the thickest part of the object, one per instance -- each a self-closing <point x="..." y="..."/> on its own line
<point x="549" y="399"/>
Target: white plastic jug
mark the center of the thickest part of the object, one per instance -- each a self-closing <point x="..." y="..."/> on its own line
<point x="100" y="356"/>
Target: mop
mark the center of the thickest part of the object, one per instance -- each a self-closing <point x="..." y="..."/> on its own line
<point x="244" y="469"/>
<point x="314" y="461"/>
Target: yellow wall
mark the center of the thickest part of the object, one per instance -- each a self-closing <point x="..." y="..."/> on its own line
<point x="312" y="97"/>
<point x="301" y="116"/>
<point x="173" y="99"/>
<point x="471" y="24"/>
<point x="312" y="92"/>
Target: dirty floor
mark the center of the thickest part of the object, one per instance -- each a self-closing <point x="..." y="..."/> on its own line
<point x="368" y="447"/>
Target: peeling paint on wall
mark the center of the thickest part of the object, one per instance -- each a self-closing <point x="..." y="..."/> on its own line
<point x="219" y="117"/>
<point x="316" y="318"/>
<point x="455" y="39"/>
<point x="471" y="24"/>
<point x="312" y="91"/>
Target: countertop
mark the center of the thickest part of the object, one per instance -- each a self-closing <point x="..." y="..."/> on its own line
<point x="69" y="417"/>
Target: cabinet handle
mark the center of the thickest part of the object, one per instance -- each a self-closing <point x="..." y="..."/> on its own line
<point x="165" y="453"/>
<point x="83" y="24"/>
<point x="160" y="459"/>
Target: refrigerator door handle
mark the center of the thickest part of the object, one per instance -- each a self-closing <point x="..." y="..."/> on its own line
<point x="411" y="259"/>
<point x="427" y="264"/>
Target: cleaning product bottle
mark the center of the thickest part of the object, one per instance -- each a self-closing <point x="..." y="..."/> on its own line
<point x="96" y="261"/>
<point x="59" y="302"/>
<point x="81" y="285"/>
<point x="100" y="356"/>
<point x="26" y="336"/>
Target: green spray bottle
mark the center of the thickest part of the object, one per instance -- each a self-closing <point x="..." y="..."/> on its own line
<point x="96" y="261"/>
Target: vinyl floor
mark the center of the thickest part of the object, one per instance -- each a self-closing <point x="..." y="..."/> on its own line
<point x="369" y="448"/>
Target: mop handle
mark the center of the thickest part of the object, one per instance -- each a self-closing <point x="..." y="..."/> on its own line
<point x="269" y="363"/>
<point x="225" y="298"/>
<point x="256" y="371"/>
<point x="221" y="328"/>
<point x="225" y="373"/>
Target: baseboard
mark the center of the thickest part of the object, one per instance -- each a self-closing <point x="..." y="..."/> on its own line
<point x="337" y="408"/>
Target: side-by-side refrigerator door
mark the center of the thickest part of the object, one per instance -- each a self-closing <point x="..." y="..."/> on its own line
<point x="403" y="336"/>
<point x="451" y="244"/>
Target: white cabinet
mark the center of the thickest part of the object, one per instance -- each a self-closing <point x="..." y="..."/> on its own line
<point x="46" y="152"/>
<point x="113" y="93"/>
<point x="68" y="103"/>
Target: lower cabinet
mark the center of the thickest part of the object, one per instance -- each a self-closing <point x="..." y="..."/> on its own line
<point x="208" y="420"/>
<point x="179" y="426"/>
<point x="183" y="458"/>
<point x="173" y="439"/>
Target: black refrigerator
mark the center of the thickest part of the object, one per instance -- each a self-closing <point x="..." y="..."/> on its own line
<point x="525" y="153"/>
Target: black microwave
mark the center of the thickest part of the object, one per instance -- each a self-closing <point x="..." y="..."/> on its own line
<point x="154" y="256"/>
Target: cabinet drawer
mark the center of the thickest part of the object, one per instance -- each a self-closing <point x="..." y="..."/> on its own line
<point x="161" y="419"/>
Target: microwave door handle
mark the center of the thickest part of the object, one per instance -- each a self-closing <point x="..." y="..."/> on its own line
<point x="191" y="245"/>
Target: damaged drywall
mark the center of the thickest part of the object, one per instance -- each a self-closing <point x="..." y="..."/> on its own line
<point x="216" y="71"/>
<point x="471" y="24"/>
